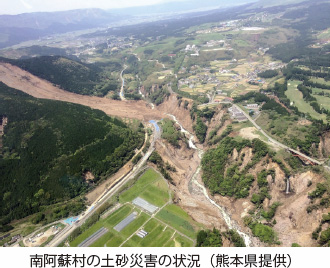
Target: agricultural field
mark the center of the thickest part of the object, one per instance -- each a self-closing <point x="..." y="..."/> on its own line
<point x="168" y="226"/>
<point x="235" y="77"/>
<point x="149" y="187"/>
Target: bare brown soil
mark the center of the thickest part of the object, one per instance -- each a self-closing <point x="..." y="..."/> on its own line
<point x="249" y="133"/>
<point x="186" y="194"/>
<point x="170" y="106"/>
<point x="293" y="223"/>
<point x="39" y="240"/>
<point x="19" y="79"/>
<point x="324" y="145"/>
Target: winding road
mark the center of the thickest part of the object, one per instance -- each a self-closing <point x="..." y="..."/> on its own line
<point x="275" y="141"/>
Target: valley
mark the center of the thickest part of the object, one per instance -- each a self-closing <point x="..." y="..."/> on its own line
<point x="234" y="113"/>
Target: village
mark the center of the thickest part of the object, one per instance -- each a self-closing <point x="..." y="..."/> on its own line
<point x="226" y="78"/>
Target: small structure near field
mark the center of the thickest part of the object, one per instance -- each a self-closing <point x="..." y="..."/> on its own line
<point x="144" y="205"/>
<point x="142" y="233"/>
<point x="236" y="114"/>
<point x="120" y="226"/>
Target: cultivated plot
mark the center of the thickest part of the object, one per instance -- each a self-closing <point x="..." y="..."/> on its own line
<point x="94" y="237"/>
<point x="146" y="218"/>
<point x="120" y="226"/>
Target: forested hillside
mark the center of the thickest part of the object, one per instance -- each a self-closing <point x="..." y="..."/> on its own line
<point x="70" y="75"/>
<point x="49" y="146"/>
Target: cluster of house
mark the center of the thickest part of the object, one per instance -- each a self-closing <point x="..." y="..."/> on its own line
<point x="263" y="49"/>
<point x="213" y="43"/>
<point x="236" y="114"/>
<point x="199" y="79"/>
<point x="13" y="240"/>
<point x="88" y="47"/>
<point x="235" y="24"/>
<point x="259" y="17"/>
<point x="119" y="43"/>
<point x="192" y="48"/>
<point x="252" y="77"/>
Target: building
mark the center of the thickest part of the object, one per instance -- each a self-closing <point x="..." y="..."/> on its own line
<point x="236" y="114"/>
<point x="252" y="106"/>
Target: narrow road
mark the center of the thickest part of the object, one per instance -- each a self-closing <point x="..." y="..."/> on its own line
<point x="275" y="141"/>
<point x="65" y="233"/>
<point x="122" y="95"/>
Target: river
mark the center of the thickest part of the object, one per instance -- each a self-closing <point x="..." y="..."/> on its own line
<point x="230" y="223"/>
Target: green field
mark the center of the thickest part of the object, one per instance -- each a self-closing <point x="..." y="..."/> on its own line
<point x="118" y="215"/>
<point x="177" y="218"/>
<point x="170" y="226"/>
<point x="283" y="128"/>
<point x="159" y="235"/>
<point x="297" y="98"/>
<point x="320" y="80"/>
<point x="324" y="34"/>
<point x="323" y="101"/>
<point x="150" y="187"/>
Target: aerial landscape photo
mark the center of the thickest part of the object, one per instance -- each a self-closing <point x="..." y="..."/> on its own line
<point x="165" y="123"/>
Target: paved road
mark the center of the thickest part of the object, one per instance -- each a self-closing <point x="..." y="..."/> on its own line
<point x="275" y="141"/>
<point x="107" y="194"/>
<point x="122" y="95"/>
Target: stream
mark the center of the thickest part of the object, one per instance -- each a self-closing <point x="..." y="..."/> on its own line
<point x="225" y="215"/>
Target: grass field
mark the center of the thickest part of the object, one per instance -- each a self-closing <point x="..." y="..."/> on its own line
<point x="297" y="98"/>
<point x="320" y="80"/>
<point x="150" y="187"/>
<point x="323" y="101"/>
<point x="159" y="235"/>
<point x="170" y="226"/>
<point x="324" y="34"/>
<point x="283" y="128"/>
<point x="179" y="219"/>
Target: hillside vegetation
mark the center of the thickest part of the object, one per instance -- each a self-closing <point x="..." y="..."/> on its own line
<point x="48" y="147"/>
<point x="70" y="75"/>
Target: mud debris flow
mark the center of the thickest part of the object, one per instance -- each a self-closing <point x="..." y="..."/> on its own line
<point x="230" y="223"/>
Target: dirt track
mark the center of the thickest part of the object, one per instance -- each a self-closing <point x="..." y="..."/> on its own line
<point x="17" y="78"/>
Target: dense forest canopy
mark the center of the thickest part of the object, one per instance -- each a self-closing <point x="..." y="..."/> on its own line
<point x="48" y="146"/>
<point x="70" y="75"/>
